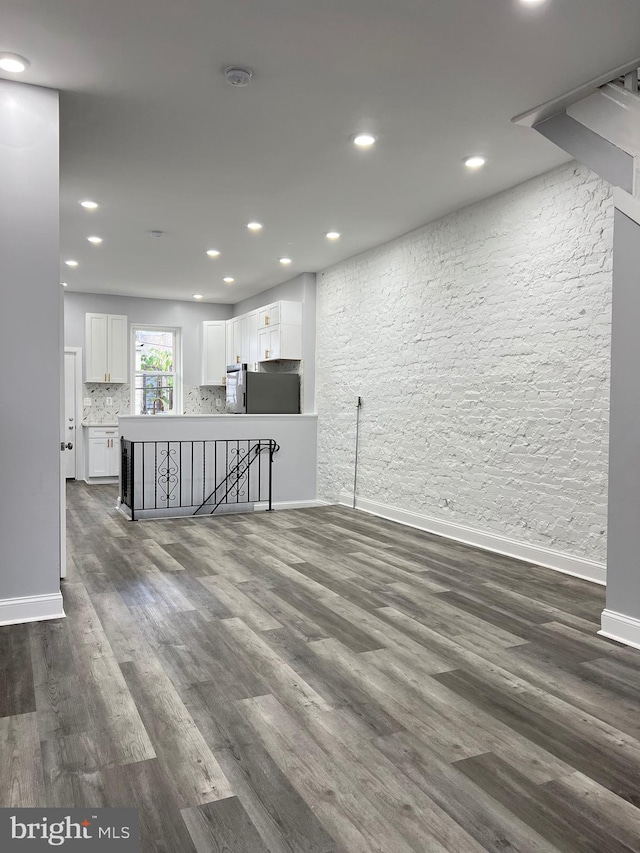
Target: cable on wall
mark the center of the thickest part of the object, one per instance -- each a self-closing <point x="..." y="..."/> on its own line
<point x="355" y="467"/>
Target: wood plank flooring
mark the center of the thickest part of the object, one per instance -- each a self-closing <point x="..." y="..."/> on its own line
<point x="321" y="681"/>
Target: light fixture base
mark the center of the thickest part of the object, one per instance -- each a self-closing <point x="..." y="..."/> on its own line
<point x="238" y="76"/>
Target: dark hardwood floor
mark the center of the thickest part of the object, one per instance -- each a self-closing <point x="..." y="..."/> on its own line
<point x="321" y="681"/>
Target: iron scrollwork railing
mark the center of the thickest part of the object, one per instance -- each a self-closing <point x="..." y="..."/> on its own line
<point x="195" y="477"/>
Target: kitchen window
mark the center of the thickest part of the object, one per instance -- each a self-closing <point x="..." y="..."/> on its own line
<point x="156" y="386"/>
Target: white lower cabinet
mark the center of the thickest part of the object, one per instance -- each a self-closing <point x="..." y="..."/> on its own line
<point x="103" y="452"/>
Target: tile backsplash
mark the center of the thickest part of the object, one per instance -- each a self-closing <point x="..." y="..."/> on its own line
<point x="101" y="412"/>
<point x="203" y="400"/>
<point x="197" y="400"/>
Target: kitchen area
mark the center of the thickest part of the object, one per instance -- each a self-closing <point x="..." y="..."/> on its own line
<point x="194" y="408"/>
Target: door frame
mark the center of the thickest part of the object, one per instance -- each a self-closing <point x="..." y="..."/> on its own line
<point x="77" y="352"/>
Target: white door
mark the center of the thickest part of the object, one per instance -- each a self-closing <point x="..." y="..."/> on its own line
<point x="70" y="425"/>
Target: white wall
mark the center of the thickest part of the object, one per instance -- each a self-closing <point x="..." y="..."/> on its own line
<point x="187" y="316"/>
<point x="480" y="345"/>
<point x="30" y="350"/>
<point x="302" y="288"/>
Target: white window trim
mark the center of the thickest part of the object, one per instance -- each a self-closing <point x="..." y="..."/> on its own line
<point x="177" y="361"/>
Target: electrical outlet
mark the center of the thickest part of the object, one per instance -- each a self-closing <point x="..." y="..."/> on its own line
<point x="87" y="402"/>
<point x="109" y="401"/>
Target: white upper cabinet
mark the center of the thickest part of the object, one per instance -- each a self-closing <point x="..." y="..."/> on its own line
<point x="214" y="356"/>
<point x="269" y="315"/>
<point x="289" y="313"/>
<point x="117" y="349"/>
<point x="250" y="338"/>
<point x="231" y="356"/>
<point x="283" y="341"/>
<point x="280" y="331"/>
<point x="269" y="344"/>
<point x="106" y="350"/>
<point x="234" y="341"/>
<point x="270" y="333"/>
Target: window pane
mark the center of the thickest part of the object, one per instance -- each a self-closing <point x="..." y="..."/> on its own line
<point x="153" y="395"/>
<point x="154" y="350"/>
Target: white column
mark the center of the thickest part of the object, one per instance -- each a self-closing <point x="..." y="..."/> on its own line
<point x="621" y="619"/>
<point x="30" y="345"/>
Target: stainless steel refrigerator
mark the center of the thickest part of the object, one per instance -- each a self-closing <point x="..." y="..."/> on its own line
<point x="250" y="393"/>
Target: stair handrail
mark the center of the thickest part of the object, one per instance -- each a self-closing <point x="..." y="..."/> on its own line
<point x="261" y="445"/>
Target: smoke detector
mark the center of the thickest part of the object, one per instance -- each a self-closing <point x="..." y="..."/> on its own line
<point x="237" y="76"/>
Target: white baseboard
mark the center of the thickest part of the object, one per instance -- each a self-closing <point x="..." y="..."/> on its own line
<point x="31" y="608"/>
<point x="225" y="509"/>
<point x="576" y="566"/>
<point x="290" y="505"/>
<point x="623" y="629"/>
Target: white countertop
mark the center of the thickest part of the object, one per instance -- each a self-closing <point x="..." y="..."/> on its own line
<point x="91" y="424"/>
<point x="204" y="417"/>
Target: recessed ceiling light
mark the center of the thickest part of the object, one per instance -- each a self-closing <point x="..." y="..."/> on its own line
<point x="71" y="263"/>
<point x="213" y="253"/>
<point x="332" y="235"/>
<point x="285" y="261"/>
<point x="228" y="279"/>
<point x="197" y="296"/>
<point x="476" y="161"/>
<point x="95" y="240"/>
<point x="532" y="2"/>
<point x="89" y="205"/>
<point x="254" y="226"/>
<point x="64" y="284"/>
<point x="13" y="63"/>
<point x="364" y="140"/>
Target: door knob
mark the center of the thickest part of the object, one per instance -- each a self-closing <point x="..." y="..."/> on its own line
<point x="69" y="446"/>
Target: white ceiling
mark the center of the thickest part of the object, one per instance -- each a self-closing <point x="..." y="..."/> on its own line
<point x="151" y="130"/>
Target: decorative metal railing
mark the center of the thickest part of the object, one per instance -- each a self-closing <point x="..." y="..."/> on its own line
<point x="195" y="477"/>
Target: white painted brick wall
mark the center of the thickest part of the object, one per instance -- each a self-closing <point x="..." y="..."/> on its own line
<point x="480" y="345"/>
